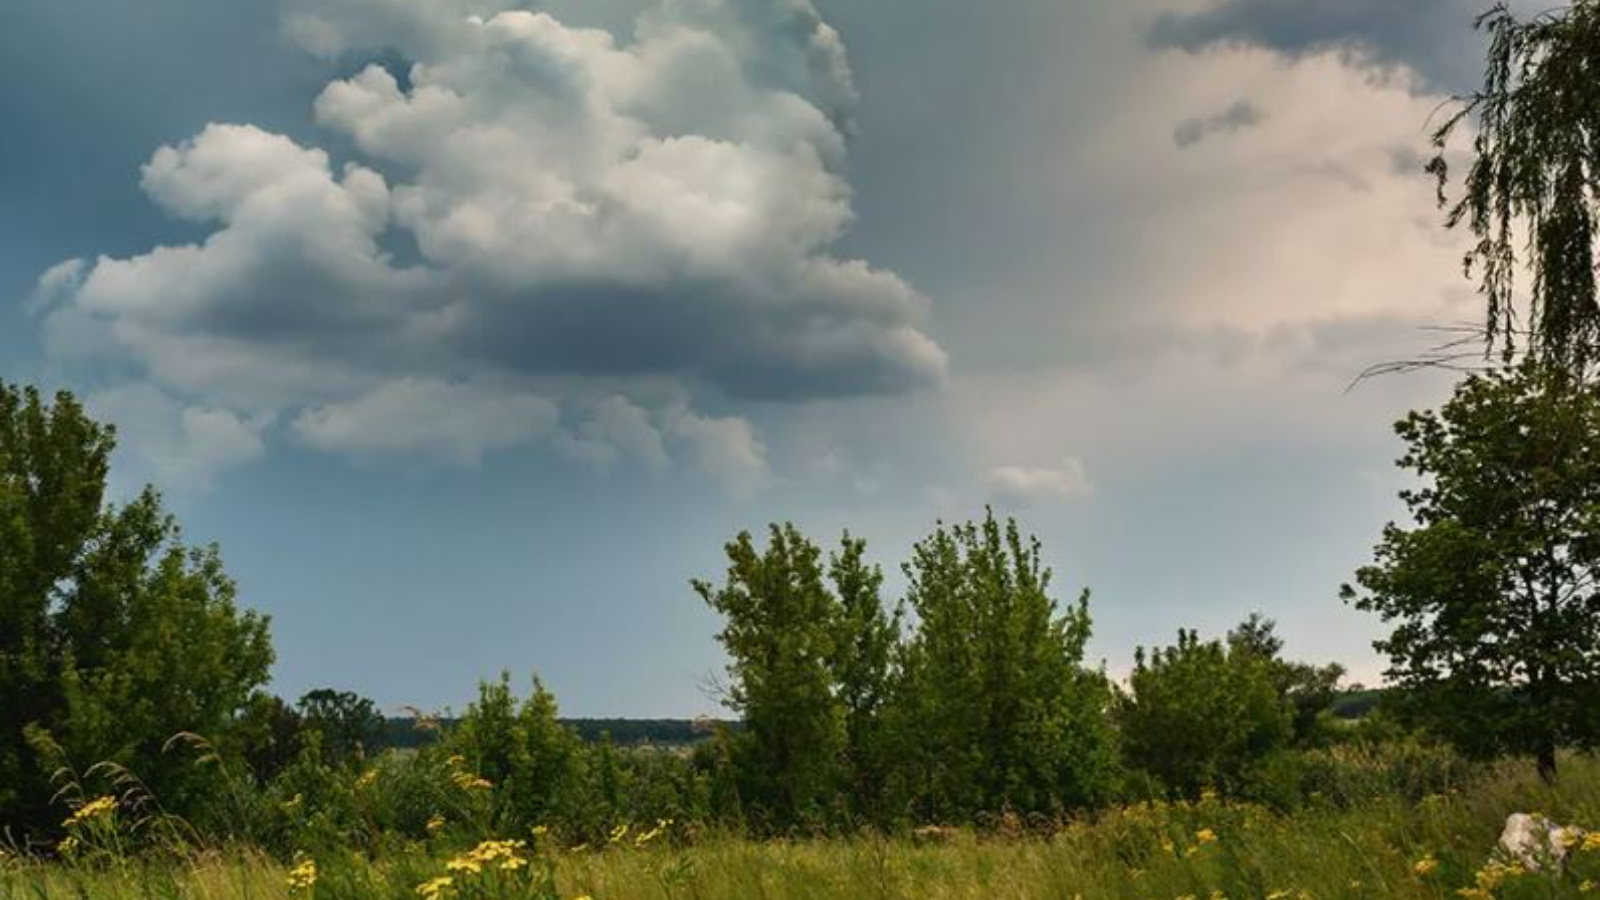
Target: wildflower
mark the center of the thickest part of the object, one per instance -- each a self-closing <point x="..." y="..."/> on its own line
<point x="94" y="809"/>
<point x="1205" y="836"/>
<point x="1585" y="886"/>
<point x="435" y="822"/>
<point x="1474" y="894"/>
<point x="303" y="877"/>
<point x="1591" y="841"/>
<point x="579" y="848"/>
<point x="1278" y="895"/>
<point x="68" y="846"/>
<point x="367" y="779"/>
<point x="433" y="887"/>
<point x="540" y="831"/>
<point x="652" y="834"/>
<point x="1425" y="866"/>
<point x="464" y="865"/>
<point x="618" y="833"/>
<point x="470" y="782"/>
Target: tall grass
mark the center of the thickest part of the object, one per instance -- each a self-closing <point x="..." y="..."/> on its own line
<point x="1205" y="850"/>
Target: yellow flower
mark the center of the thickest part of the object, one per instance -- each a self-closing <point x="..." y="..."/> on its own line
<point x="1205" y="836"/>
<point x="303" y="876"/>
<point x="1474" y="894"/>
<point x="367" y="779"/>
<point x="540" y="831"/>
<point x="435" y="822"/>
<point x="470" y="782"/>
<point x="94" y="809"/>
<point x="1425" y="866"/>
<point x="68" y="845"/>
<point x="433" y="887"/>
<point x="1591" y="841"/>
<point x="1586" y="886"/>
<point x="618" y="833"/>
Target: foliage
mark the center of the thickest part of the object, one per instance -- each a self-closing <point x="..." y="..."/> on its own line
<point x="780" y="632"/>
<point x="1535" y="172"/>
<point x="1384" y="848"/>
<point x="114" y="636"/>
<point x="1492" y="592"/>
<point x="1309" y="690"/>
<point x="349" y="724"/>
<point x="994" y="709"/>
<point x="1199" y="714"/>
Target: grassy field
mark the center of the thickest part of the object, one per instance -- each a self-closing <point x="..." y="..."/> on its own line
<point x="1207" y="850"/>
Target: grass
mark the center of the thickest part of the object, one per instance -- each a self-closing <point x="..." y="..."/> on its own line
<point x="1205" y="851"/>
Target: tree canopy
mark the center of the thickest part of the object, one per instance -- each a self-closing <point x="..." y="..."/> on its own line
<point x="1492" y="590"/>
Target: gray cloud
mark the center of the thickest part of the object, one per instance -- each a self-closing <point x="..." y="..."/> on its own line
<point x="1431" y="38"/>
<point x="1238" y="117"/>
<point x="586" y="213"/>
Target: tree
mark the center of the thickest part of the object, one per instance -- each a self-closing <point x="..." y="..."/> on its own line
<point x="1492" y="591"/>
<point x="862" y="652"/>
<point x="780" y="632"/>
<point x="532" y="762"/>
<point x="114" y="635"/>
<point x="994" y="709"/>
<point x="1535" y="175"/>
<point x="350" y="724"/>
<point x="1199" y="714"/>
<point x="1308" y="690"/>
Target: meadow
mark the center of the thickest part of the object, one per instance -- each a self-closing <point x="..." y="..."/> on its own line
<point x="1437" y="846"/>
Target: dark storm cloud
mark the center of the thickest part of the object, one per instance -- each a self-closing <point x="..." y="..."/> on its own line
<point x="1432" y="38"/>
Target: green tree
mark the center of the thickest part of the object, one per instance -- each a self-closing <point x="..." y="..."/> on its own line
<point x="1199" y="714"/>
<point x="533" y="763"/>
<point x="862" y="653"/>
<point x="350" y="725"/>
<point x="1535" y="176"/>
<point x="781" y="627"/>
<point x="114" y="635"/>
<point x="1309" y="690"/>
<point x="1492" y="590"/>
<point x="994" y="709"/>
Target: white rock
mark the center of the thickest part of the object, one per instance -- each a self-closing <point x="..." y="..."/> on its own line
<point x="1534" y="841"/>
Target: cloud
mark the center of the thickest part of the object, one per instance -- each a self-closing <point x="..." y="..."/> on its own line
<point x="171" y="444"/>
<point x="1028" y="486"/>
<point x="539" y="217"/>
<point x="1238" y="117"/>
<point x="1432" y="39"/>
<point x="727" y="449"/>
<point x="454" y="423"/>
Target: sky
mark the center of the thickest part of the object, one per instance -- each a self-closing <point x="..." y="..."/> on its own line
<point x="472" y="329"/>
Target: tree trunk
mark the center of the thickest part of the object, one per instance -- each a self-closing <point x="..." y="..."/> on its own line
<point x="1546" y="761"/>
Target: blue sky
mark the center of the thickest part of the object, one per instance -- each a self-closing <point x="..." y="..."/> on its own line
<point x="471" y="329"/>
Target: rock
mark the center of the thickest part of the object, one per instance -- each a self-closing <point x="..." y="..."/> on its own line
<point x="1534" y="841"/>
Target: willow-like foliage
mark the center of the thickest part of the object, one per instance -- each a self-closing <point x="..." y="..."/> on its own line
<point x="1533" y="182"/>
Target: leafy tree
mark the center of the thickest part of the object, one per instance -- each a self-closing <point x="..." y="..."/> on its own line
<point x="781" y="631"/>
<point x="1308" y="690"/>
<point x="862" y="653"/>
<point x="1199" y="714"/>
<point x="114" y="635"/>
<point x="994" y="708"/>
<point x="531" y="761"/>
<point x="1492" y="590"/>
<point x="1535" y="175"/>
<point x="350" y="724"/>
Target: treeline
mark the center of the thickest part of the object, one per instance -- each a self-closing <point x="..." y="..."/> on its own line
<point x="405" y="732"/>
<point x="127" y="668"/>
<point x="123" y="655"/>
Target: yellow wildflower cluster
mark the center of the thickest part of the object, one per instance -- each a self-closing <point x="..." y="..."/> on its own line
<point x="1425" y="866"/>
<point x="94" y="809"/>
<point x="435" y="822"/>
<point x="1489" y="878"/>
<point x="646" y="837"/>
<point x="465" y="779"/>
<point x="367" y="779"/>
<point x="303" y="877"/>
<point x="1591" y="842"/>
<point x="433" y="887"/>
<point x="1205" y="836"/>
<point x="504" y="855"/>
<point x="618" y="833"/>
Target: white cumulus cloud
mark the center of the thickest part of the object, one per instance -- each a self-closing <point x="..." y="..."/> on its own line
<point x="1028" y="485"/>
